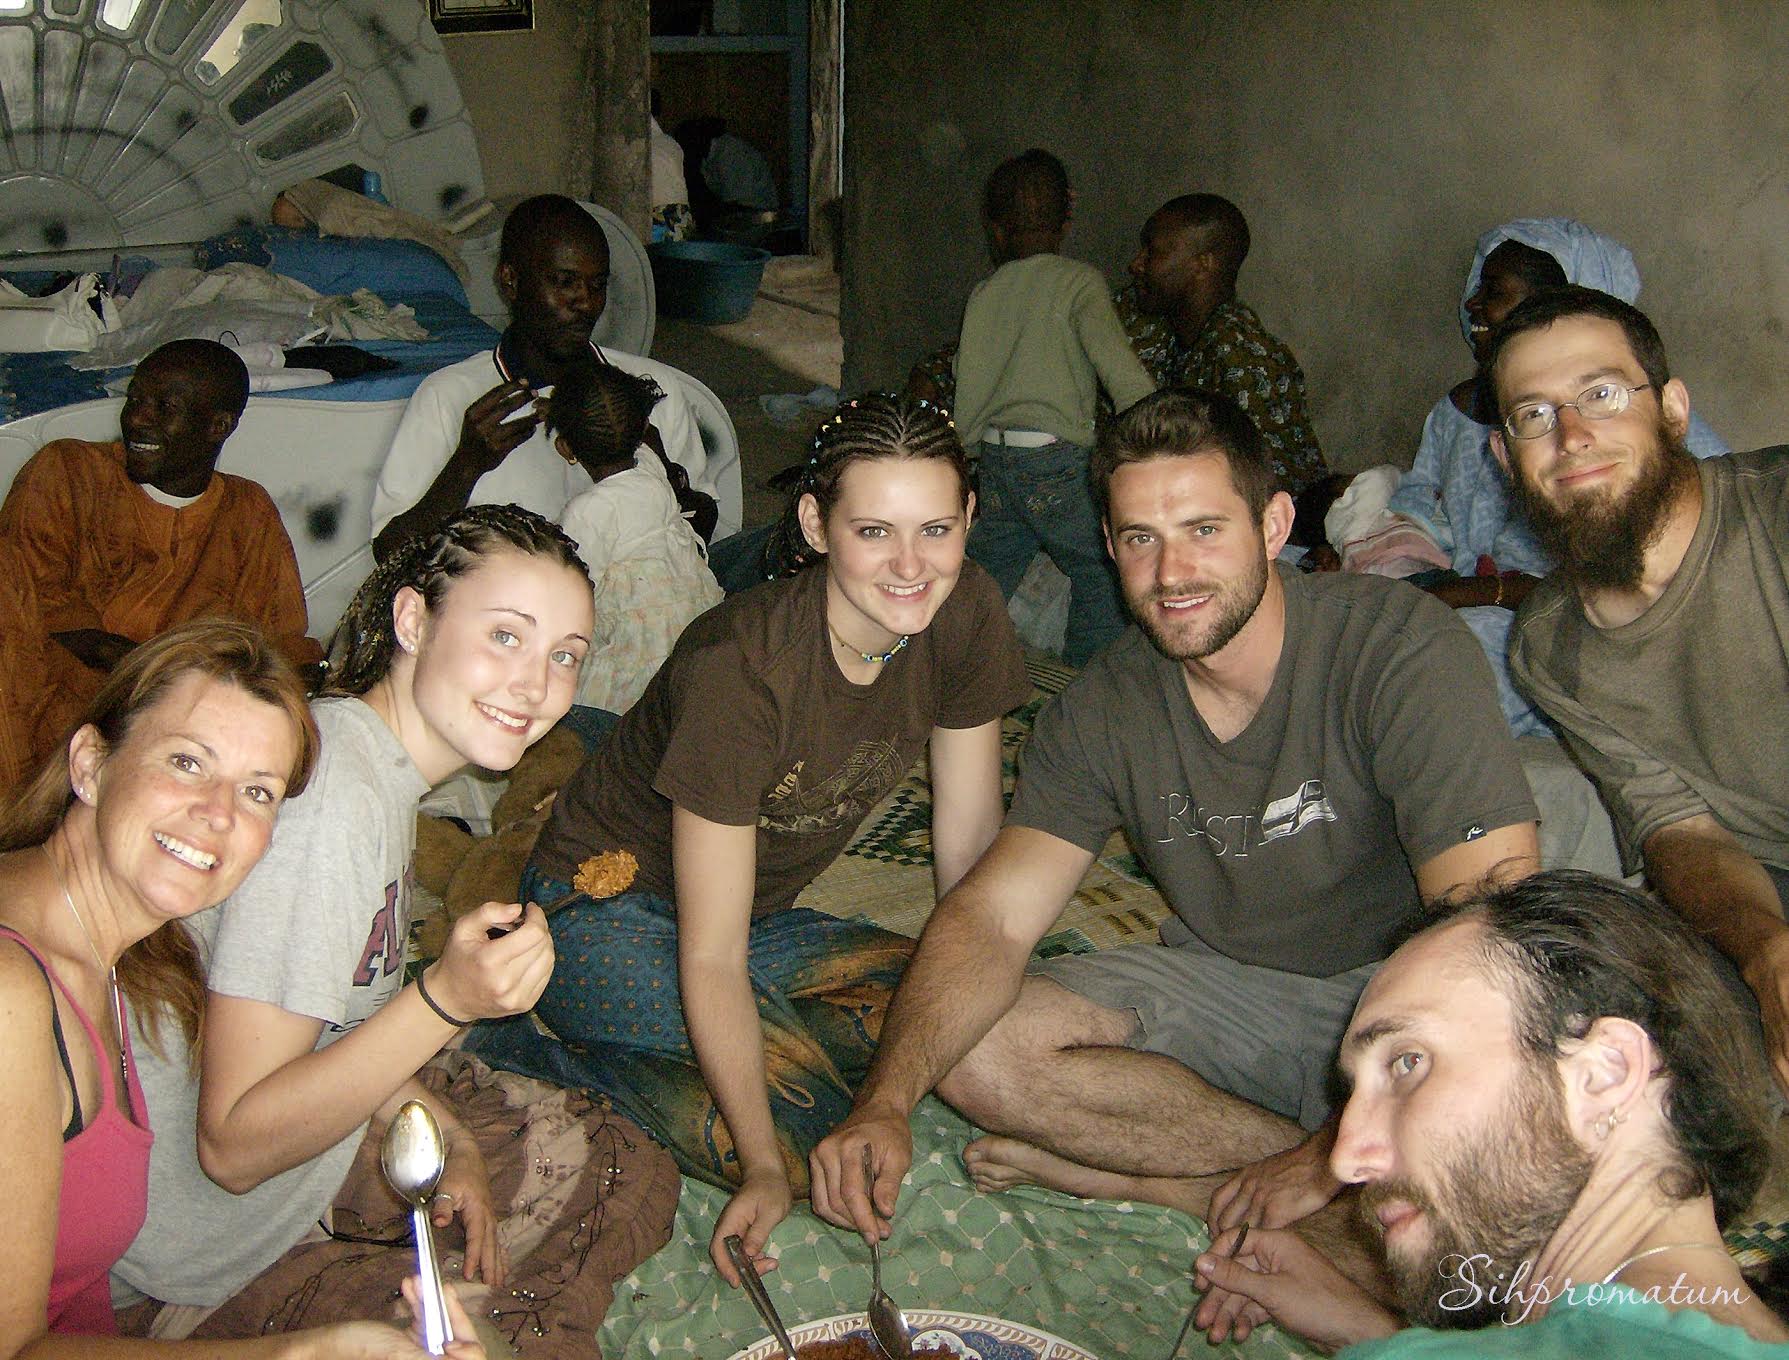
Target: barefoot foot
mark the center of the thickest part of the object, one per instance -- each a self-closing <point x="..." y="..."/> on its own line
<point x="995" y="1163"/>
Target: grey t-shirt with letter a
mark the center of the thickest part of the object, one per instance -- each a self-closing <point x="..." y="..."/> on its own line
<point x="316" y="929"/>
<point x="1379" y="745"/>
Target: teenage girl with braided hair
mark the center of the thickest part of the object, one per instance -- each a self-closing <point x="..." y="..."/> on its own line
<point x="780" y="720"/>
<point x="463" y="648"/>
<point x="649" y="565"/>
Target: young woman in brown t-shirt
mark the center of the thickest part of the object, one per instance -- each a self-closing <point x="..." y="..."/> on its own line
<point x="729" y="1022"/>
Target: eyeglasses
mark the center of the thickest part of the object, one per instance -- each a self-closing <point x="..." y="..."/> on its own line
<point x="1594" y="403"/>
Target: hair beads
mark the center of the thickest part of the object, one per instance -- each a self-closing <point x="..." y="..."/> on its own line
<point x="874" y="426"/>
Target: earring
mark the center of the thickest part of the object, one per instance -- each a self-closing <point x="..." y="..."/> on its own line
<point x="1609" y="1123"/>
<point x="406" y="644"/>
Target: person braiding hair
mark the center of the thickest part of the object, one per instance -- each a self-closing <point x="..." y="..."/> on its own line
<point x="603" y="412"/>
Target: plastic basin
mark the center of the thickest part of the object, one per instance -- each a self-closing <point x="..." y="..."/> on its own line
<point x="708" y="281"/>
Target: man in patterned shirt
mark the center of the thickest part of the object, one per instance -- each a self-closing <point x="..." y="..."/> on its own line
<point x="1187" y="326"/>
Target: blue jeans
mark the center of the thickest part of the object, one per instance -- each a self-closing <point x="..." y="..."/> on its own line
<point x="589" y="725"/>
<point x="738" y="562"/>
<point x="1031" y="499"/>
<point x="822" y="987"/>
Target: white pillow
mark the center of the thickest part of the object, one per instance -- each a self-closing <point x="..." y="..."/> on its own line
<point x="63" y="321"/>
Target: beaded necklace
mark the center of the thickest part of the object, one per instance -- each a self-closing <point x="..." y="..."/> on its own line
<point x="881" y="657"/>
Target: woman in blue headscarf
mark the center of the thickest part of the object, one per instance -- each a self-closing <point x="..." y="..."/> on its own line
<point x="1455" y="490"/>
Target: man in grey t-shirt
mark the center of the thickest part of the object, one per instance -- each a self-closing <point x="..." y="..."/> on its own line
<point x="1302" y="762"/>
<point x="1661" y="645"/>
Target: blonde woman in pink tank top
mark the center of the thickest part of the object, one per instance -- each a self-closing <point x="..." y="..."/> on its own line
<point x="156" y="807"/>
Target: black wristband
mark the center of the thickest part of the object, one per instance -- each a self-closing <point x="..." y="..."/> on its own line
<point x="422" y="990"/>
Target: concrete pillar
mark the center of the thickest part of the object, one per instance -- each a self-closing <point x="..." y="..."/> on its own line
<point x="619" y="166"/>
<point x="825" y="183"/>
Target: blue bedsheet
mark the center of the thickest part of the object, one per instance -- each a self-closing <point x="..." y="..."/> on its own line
<point x="30" y="383"/>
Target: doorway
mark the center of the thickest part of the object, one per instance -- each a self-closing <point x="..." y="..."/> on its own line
<point x="750" y="90"/>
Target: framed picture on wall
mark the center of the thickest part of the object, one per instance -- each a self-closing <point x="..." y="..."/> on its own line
<point x="481" y="16"/>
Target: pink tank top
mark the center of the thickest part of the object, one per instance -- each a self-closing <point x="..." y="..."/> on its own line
<point x="105" y="1188"/>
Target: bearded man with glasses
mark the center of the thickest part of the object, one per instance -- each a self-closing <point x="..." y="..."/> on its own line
<point x="1661" y="645"/>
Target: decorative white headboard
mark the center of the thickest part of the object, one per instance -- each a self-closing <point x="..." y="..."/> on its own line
<point x="138" y="126"/>
<point x="132" y="123"/>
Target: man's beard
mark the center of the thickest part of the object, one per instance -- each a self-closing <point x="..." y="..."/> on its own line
<point x="1500" y="1192"/>
<point x="1600" y="537"/>
<point x="1231" y="606"/>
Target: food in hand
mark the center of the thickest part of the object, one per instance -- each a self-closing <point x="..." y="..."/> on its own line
<point x="605" y="874"/>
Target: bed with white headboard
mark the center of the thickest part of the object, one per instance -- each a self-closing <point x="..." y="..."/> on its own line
<point x="148" y="133"/>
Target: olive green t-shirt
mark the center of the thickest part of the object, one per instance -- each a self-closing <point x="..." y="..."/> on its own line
<point x="750" y="722"/>
<point x="1039" y="341"/>
<point x="1685" y="710"/>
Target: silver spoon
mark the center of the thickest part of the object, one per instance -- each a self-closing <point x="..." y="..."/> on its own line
<point x="757" y="1293"/>
<point x="893" y="1337"/>
<point x="413" y="1156"/>
<point x="1193" y="1312"/>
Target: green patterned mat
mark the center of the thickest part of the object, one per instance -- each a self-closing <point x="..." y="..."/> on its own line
<point x="1110" y="1277"/>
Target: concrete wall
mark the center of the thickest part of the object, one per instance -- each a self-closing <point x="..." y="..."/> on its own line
<point x="1367" y="144"/>
<point x="562" y="108"/>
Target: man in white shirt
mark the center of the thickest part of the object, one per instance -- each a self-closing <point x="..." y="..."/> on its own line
<point x="473" y="433"/>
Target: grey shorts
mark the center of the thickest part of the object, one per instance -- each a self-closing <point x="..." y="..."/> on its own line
<point x="1266" y="1036"/>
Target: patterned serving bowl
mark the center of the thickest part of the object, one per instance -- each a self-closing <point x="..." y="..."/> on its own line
<point x="969" y="1336"/>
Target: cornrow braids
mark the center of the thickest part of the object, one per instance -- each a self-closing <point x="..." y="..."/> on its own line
<point x="869" y="428"/>
<point x="360" y="652"/>
<point x="601" y="410"/>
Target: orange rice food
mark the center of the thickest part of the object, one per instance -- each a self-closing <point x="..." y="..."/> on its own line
<point x="859" y="1348"/>
<point x="606" y="874"/>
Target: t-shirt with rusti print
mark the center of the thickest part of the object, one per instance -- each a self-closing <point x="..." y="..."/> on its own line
<point x="749" y="721"/>
<point x="1378" y="746"/>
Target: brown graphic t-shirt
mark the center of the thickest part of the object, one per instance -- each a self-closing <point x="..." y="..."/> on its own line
<point x="749" y="722"/>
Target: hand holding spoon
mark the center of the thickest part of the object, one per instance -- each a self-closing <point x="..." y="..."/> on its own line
<point x="413" y="1157"/>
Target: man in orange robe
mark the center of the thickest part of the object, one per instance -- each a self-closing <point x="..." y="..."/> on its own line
<point x="21" y="676"/>
<point x="121" y="541"/>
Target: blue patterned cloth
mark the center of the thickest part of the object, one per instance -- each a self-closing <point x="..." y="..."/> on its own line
<point x="822" y="986"/>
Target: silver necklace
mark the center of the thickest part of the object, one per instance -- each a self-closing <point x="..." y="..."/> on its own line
<point x="93" y="949"/>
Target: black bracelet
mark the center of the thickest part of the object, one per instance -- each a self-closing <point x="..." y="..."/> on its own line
<point x="422" y="990"/>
